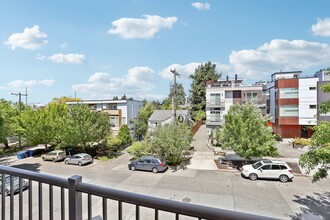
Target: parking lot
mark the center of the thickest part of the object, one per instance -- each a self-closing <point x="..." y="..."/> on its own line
<point x="226" y="190"/>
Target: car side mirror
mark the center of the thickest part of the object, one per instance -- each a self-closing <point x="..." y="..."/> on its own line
<point x="260" y="169"/>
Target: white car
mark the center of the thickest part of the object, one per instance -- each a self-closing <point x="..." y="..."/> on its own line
<point x="268" y="169"/>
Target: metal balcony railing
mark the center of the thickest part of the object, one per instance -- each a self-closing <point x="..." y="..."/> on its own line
<point x="71" y="200"/>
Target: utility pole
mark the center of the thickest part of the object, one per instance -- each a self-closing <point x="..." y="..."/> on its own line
<point x="175" y="73"/>
<point x="20" y="110"/>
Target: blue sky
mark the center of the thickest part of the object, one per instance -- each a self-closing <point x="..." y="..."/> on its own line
<point x="101" y="49"/>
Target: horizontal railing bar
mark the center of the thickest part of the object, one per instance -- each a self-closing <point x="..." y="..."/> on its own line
<point x="39" y="177"/>
<point x="172" y="206"/>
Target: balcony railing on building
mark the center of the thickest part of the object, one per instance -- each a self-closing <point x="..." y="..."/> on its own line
<point x="50" y="197"/>
<point x="211" y="103"/>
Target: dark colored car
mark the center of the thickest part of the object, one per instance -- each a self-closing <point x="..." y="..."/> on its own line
<point x="79" y="159"/>
<point x="25" y="184"/>
<point x="149" y="163"/>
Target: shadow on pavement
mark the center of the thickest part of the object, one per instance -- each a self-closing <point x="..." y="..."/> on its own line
<point x="318" y="205"/>
<point x="28" y="166"/>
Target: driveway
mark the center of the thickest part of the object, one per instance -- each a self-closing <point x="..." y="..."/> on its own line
<point x="203" y="157"/>
<point x="225" y="190"/>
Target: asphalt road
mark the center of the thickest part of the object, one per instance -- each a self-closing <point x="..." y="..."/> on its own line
<point x="225" y="190"/>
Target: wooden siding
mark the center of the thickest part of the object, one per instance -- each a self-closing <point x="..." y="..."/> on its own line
<point x="288" y="83"/>
<point x="288" y="102"/>
<point x="288" y="120"/>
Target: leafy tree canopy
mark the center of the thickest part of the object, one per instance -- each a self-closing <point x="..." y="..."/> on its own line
<point x="180" y="97"/>
<point x="204" y="72"/>
<point x="65" y="99"/>
<point x="9" y="114"/>
<point x="124" y="134"/>
<point x="245" y="132"/>
<point x="318" y="156"/>
<point x="141" y="123"/>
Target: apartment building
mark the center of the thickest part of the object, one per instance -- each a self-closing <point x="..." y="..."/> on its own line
<point x="324" y="78"/>
<point x="293" y="103"/>
<point x="120" y="111"/>
<point x="222" y="94"/>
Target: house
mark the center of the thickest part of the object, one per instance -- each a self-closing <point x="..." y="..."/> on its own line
<point x="223" y="93"/>
<point x="162" y="117"/>
<point x="120" y="111"/>
<point x="294" y="102"/>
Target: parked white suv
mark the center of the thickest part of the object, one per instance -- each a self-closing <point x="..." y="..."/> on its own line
<point x="268" y="169"/>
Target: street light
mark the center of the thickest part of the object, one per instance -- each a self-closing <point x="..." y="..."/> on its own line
<point x="175" y="73"/>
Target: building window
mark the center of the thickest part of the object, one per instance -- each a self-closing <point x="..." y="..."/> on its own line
<point x="251" y="96"/>
<point x="288" y="93"/>
<point x="114" y="121"/>
<point x="113" y="107"/>
<point x="123" y="119"/>
<point x="312" y="88"/>
<point x="289" y="111"/>
<point x="215" y="114"/>
<point x="215" y="98"/>
<point x="98" y="106"/>
<point x="312" y="106"/>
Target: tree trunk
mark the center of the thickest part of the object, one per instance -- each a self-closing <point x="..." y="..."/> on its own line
<point x="6" y="145"/>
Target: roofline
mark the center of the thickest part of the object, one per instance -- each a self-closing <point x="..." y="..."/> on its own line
<point x="287" y="72"/>
<point x="95" y="101"/>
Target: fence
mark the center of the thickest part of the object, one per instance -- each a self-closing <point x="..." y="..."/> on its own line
<point x="71" y="200"/>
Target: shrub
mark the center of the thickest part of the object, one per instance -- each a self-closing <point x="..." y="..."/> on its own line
<point x="124" y="135"/>
<point x="278" y="137"/>
<point x="302" y="141"/>
<point x="139" y="149"/>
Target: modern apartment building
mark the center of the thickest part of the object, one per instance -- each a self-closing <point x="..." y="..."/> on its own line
<point x="222" y="94"/>
<point x="292" y="103"/>
<point x="120" y="111"/>
<point x="324" y="78"/>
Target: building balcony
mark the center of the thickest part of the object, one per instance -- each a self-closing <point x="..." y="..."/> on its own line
<point x="215" y="103"/>
<point x="73" y="199"/>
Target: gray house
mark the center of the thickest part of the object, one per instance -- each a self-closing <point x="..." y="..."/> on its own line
<point x="162" y="117"/>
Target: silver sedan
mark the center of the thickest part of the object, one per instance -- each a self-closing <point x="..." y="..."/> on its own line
<point x="79" y="159"/>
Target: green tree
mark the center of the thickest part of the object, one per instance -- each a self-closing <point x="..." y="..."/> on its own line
<point x="180" y="97"/>
<point x="318" y="156"/>
<point x="2" y="131"/>
<point x="171" y="142"/>
<point x="124" y="134"/>
<point x="200" y="115"/>
<point x="141" y="123"/>
<point x="123" y="97"/>
<point x="83" y="126"/>
<point x="203" y="73"/>
<point x="245" y="132"/>
<point x="139" y="149"/>
<point x="10" y="116"/>
<point x="64" y="99"/>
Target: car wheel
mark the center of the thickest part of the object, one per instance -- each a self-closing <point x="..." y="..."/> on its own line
<point x="154" y="170"/>
<point x="284" y="178"/>
<point x="79" y="164"/>
<point x="132" y="168"/>
<point x="54" y="160"/>
<point x="43" y="158"/>
<point x="253" y="176"/>
<point x="66" y="162"/>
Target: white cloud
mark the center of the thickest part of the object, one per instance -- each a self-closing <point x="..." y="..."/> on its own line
<point x="136" y="83"/>
<point x="322" y="27"/>
<point x="275" y="56"/>
<point x="67" y="58"/>
<point x="201" y="6"/>
<point x="184" y="70"/>
<point x="145" y="28"/>
<point x="31" y="39"/>
<point x="30" y="83"/>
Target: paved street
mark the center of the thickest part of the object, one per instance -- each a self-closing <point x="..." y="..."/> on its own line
<point x="226" y="190"/>
<point x="200" y="183"/>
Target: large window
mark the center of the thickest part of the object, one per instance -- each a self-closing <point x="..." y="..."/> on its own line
<point x="289" y="110"/>
<point x="288" y="93"/>
<point x="114" y="121"/>
<point x="215" y="115"/>
<point x="215" y="98"/>
<point x="251" y="96"/>
<point x="113" y="106"/>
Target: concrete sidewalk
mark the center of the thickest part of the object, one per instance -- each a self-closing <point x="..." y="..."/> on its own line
<point x="203" y="158"/>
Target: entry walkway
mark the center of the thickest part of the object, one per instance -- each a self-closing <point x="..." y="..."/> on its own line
<point x="203" y="157"/>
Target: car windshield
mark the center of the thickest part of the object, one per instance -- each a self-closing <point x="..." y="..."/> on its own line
<point x="256" y="165"/>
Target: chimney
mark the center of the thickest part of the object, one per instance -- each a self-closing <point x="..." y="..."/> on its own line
<point x="227" y="79"/>
<point x="235" y="78"/>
